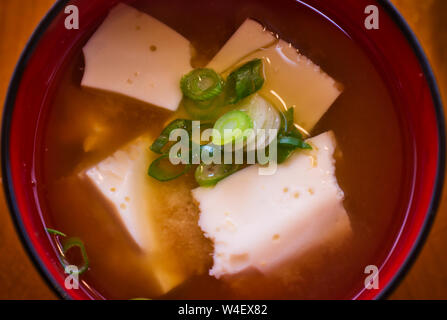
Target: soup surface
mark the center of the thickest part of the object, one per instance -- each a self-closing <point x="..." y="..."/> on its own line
<point x="84" y="126"/>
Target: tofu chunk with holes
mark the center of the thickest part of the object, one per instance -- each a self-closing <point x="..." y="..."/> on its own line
<point x="135" y="55"/>
<point x="262" y="222"/>
<point x="122" y="181"/>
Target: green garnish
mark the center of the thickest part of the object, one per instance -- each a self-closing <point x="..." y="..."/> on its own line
<point x="283" y="154"/>
<point x="201" y="84"/>
<point x="76" y="242"/>
<point x="160" y="144"/>
<point x="209" y="175"/>
<point x="55" y="232"/>
<point x="67" y="245"/>
<point x="289" y="138"/>
<point x="202" y="110"/>
<point x="163" y="170"/>
<point x="266" y="121"/>
<point x="244" y="81"/>
<point x="231" y="127"/>
<point x="206" y="97"/>
<point x="286" y="149"/>
<point x="287" y="121"/>
<point x="293" y="142"/>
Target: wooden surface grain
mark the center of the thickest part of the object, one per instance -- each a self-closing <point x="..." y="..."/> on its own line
<point x="426" y="280"/>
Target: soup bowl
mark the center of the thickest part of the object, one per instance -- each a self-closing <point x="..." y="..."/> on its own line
<point x="391" y="47"/>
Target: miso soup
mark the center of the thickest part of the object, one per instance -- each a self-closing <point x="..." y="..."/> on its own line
<point x="223" y="232"/>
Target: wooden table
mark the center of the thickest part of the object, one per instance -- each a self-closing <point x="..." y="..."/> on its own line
<point x="19" y="279"/>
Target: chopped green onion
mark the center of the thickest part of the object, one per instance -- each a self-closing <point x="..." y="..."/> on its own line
<point x="76" y="242"/>
<point x="283" y="153"/>
<point x="231" y="127"/>
<point x="209" y="175"/>
<point x="201" y="84"/>
<point x="287" y="126"/>
<point x="288" y="144"/>
<point x="289" y="137"/>
<point x="287" y="120"/>
<point x="266" y="120"/>
<point x="244" y="81"/>
<point x="293" y="142"/>
<point x="294" y="132"/>
<point x="201" y="105"/>
<point x="202" y="110"/>
<point x="159" y="144"/>
<point x="163" y="170"/>
<point x="67" y="245"/>
<point x="55" y="232"/>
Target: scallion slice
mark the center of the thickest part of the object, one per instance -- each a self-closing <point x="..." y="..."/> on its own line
<point x="289" y="137"/>
<point x="283" y="153"/>
<point x="55" y="232"/>
<point x="69" y="244"/>
<point x="287" y="120"/>
<point x="202" y="110"/>
<point x="293" y="142"/>
<point x="231" y="127"/>
<point x="76" y="242"/>
<point x="201" y="84"/>
<point x="163" y="170"/>
<point x="244" y="81"/>
<point x="159" y="145"/>
<point x="265" y="118"/>
<point x="208" y="175"/>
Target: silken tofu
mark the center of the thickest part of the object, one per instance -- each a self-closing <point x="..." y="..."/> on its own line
<point x="135" y="55"/>
<point x="291" y="79"/>
<point x="249" y="37"/>
<point x="122" y="181"/>
<point x="261" y="222"/>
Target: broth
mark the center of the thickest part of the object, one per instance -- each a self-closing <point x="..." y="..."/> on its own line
<point x="371" y="166"/>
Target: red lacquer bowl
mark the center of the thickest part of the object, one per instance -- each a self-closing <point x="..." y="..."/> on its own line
<point x="393" y="49"/>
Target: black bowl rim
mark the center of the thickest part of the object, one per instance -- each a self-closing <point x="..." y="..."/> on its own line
<point x="33" y="43"/>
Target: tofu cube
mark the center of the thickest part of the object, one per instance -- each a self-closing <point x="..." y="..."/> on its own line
<point x="262" y="222"/>
<point x="292" y="80"/>
<point x="135" y="55"/>
<point x="250" y="36"/>
<point x="122" y="181"/>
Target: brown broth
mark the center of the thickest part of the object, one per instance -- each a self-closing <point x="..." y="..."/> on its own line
<point x="370" y="165"/>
